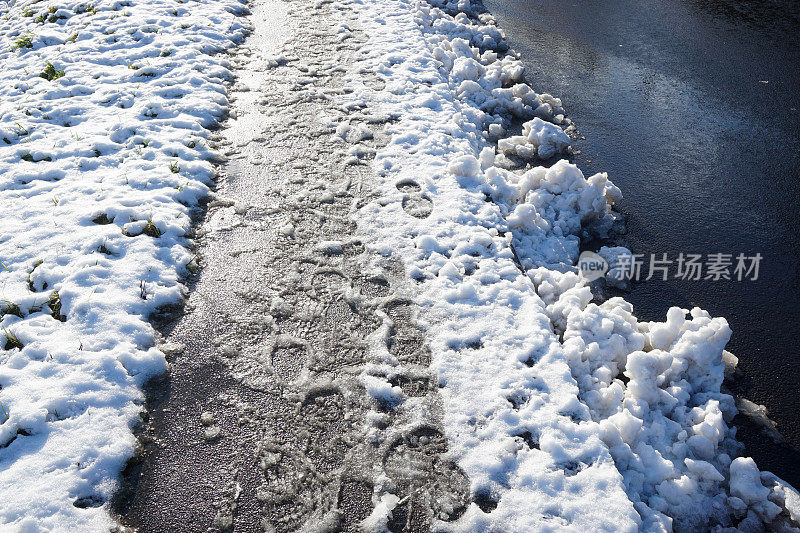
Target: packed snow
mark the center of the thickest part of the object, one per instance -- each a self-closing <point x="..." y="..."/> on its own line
<point x="103" y="116"/>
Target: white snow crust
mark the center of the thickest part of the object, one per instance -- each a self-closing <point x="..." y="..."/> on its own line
<point x="121" y="134"/>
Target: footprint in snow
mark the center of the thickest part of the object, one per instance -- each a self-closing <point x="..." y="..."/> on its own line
<point x="430" y="486"/>
<point x="415" y="202"/>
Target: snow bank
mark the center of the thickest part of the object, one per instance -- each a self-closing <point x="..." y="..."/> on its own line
<point x="565" y="414"/>
<point x="103" y="153"/>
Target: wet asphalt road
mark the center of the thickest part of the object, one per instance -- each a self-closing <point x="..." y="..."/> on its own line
<point x="693" y="108"/>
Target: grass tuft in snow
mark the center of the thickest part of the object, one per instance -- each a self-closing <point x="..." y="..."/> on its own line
<point x="151" y="230"/>
<point x="21" y="131"/>
<point x="50" y="72"/>
<point x="143" y="285"/>
<point x="10" y="308"/>
<point x="23" y="41"/>
<point x="30" y="274"/>
<point x="49" y="16"/>
<point x="28" y="157"/>
<point x="54" y="302"/>
<point x="11" y="341"/>
<point x="89" y="8"/>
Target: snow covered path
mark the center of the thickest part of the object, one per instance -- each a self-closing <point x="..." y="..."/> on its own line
<point x="268" y="419"/>
<point x="388" y="330"/>
<point x="565" y="411"/>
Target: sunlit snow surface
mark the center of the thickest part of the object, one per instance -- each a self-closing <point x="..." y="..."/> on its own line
<point x="88" y="161"/>
<point x="565" y="414"/>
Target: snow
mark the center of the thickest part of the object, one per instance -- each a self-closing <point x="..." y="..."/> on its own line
<point x="99" y="171"/>
<point x="566" y="413"/>
<point x="381" y="514"/>
<point x="620" y="261"/>
<point x="539" y="139"/>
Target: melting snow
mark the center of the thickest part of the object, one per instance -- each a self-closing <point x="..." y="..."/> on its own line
<point x="564" y="413"/>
